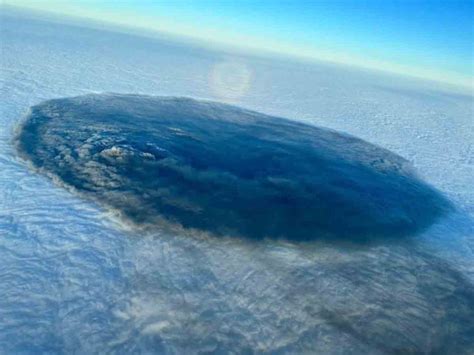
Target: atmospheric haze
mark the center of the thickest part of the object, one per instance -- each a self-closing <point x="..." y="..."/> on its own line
<point x="73" y="278"/>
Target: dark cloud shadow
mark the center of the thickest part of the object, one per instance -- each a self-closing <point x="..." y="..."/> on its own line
<point x="225" y="170"/>
<point x="451" y="305"/>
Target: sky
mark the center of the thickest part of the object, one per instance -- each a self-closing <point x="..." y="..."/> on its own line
<point x="429" y="39"/>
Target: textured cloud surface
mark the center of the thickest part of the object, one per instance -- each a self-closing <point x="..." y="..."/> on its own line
<point x="221" y="169"/>
<point x="71" y="282"/>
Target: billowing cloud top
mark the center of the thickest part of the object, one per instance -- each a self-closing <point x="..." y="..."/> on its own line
<point x="225" y="170"/>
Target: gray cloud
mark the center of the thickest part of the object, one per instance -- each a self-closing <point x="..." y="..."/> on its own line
<point x="225" y="170"/>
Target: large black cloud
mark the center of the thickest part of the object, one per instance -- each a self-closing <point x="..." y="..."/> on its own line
<point x="225" y="170"/>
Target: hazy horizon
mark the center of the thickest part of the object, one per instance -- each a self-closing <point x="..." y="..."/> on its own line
<point x="442" y="61"/>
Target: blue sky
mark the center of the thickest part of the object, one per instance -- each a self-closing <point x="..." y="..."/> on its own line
<point x="432" y="39"/>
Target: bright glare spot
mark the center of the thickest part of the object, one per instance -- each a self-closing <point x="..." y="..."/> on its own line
<point x="230" y="80"/>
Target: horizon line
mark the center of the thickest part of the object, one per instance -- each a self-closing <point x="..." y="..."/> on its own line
<point x="207" y="41"/>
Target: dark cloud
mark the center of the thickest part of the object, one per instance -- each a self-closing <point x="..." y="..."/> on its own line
<point x="225" y="170"/>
